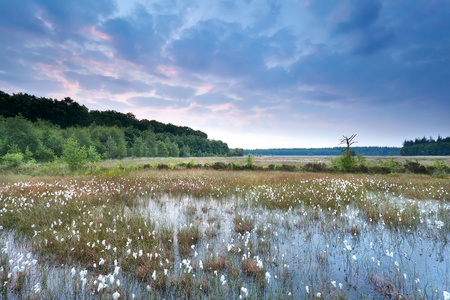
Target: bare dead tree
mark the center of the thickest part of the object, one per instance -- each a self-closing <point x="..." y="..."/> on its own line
<point x="348" y="140"/>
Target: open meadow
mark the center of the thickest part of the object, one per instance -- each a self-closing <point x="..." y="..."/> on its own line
<point x="132" y="230"/>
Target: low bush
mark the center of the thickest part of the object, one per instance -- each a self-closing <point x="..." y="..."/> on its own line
<point x="415" y="167"/>
<point x="220" y="166"/>
<point x="315" y="167"/>
<point x="12" y="160"/>
<point x="191" y="164"/>
<point x="378" y="170"/>
<point x="440" y="169"/>
<point x="345" y="162"/>
<point x="288" y="168"/>
<point x="392" y="165"/>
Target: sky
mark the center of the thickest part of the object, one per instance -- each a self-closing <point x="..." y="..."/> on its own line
<point x="252" y="73"/>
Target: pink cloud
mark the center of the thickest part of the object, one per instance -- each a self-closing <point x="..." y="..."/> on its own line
<point x="46" y="23"/>
<point x="97" y="33"/>
<point x="204" y="89"/>
<point x="223" y="107"/>
<point x="166" y="70"/>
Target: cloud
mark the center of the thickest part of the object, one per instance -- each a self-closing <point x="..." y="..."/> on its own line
<point x="362" y="15"/>
<point x="235" y="63"/>
<point x="212" y="98"/>
<point x="174" y="92"/>
<point x="218" y="47"/>
<point x="66" y="17"/>
<point x="103" y="104"/>
<point x="151" y="102"/>
<point x="362" y="28"/>
<point x="134" y="39"/>
<point x="100" y="82"/>
<point x="424" y="55"/>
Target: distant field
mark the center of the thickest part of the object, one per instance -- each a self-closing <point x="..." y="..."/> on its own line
<point x="264" y="161"/>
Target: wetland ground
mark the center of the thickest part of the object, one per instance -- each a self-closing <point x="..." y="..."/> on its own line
<point x="201" y="234"/>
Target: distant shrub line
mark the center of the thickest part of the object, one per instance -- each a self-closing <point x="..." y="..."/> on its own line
<point x="438" y="169"/>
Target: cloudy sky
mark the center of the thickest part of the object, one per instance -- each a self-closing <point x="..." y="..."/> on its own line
<point x="252" y="73"/>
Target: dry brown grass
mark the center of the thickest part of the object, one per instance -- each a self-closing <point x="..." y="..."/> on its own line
<point x="243" y="225"/>
<point x="386" y="288"/>
<point x="216" y="264"/>
<point x="250" y="267"/>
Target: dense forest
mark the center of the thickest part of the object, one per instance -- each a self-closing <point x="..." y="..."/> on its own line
<point x="40" y="127"/>
<point x="366" y="151"/>
<point x="425" y="146"/>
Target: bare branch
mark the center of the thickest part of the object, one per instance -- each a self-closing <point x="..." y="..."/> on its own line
<point x="348" y="140"/>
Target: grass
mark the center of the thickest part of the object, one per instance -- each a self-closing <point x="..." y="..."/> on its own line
<point x="214" y="234"/>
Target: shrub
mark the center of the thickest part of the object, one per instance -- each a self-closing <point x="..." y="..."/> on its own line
<point x="415" y="167"/>
<point x="12" y="160"/>
<point x="345" y="162"/>
<point x="220" y="166"/>
<point x="181" y="165"/>
<point x="363" y="168"/>
<point x="441" y="168"/>
<point x="236" y="166"/>
<point x="378" y="170"/>
<point x="288" y="168"/>
<point x="392" y="165"/>
<point x="315" y="167"/>
<point x="74" y="155"/>
<point x="191" y="164"/>
<point x="249" y="163"/>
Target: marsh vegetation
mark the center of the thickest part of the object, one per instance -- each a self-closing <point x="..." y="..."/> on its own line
<point x="204" y="233"/>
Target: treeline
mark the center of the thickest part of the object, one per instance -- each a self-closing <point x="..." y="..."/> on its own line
<point x="366" y="151"/>
<point x="425" y="146"/>
<point x="39" y="128"/>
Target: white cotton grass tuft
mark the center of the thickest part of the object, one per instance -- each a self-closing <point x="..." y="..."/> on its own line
<point x="116" y="295"/>
<point x="267" y="276"/>
<point x="446" y="295"/>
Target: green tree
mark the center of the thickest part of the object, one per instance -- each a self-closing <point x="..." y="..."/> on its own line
<point x="149" y="139"/>
<point x="119" y="137"/>
<point x="92" y="155"/>
<point x="172" y="148"/>
<point x="74" y="155"/>
<point x="237" y="152"/>
<point x="346" y="162"/>
<point x="111" y="148"/>
<point x="138" y="148"/>
<point x="51" y="137"/>
<point x="28" y="155"/>
<point x="162" y="149"/>
<point x="185" y="151"/>
<point x="19" y="132"/>
<point x="82" y="135"/>
<point x="103" y="138"/>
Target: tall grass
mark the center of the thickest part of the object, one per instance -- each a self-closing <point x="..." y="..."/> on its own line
<point x="238" y="234"/>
